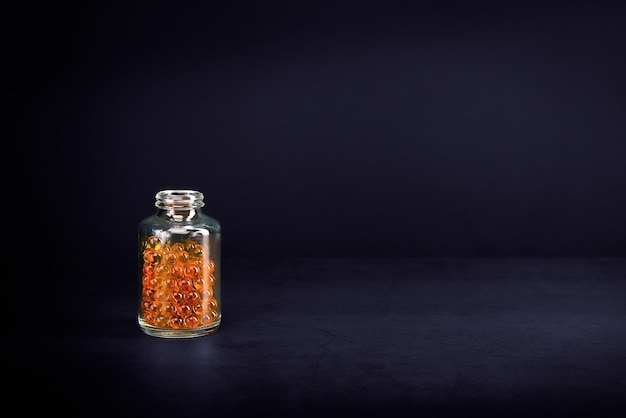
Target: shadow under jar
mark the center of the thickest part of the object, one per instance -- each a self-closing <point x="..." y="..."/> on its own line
<point x="179" y="268"/>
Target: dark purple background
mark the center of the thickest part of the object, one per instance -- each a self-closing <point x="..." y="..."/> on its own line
<point x="351" y="150"/>
<point x="333" y="129"/>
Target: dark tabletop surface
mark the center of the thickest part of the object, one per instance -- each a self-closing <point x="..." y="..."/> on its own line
<point x="372" y="337"/>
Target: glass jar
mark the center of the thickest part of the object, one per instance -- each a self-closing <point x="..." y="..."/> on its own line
<point x="179" y="268"/>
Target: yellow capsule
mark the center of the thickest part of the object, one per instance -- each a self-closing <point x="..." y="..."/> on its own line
<point x="154" y="243"/>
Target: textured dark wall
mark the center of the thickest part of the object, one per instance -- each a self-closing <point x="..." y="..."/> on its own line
<point x="328" y="129"/>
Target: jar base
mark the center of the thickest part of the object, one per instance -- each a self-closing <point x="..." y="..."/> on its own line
<point x="179" y="333"/>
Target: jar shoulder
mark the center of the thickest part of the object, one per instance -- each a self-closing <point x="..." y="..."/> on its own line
<point x="201" y="220"/>
<point x="209" y="221"/>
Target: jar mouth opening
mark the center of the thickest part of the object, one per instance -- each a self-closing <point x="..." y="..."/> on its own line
<point x="179" y="198"/>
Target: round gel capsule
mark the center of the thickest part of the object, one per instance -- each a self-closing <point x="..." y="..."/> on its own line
<point x="169" y="257"/>
<point x="192" y="270"/>
<point x="206" y="319"/>
<point x="212" y="304"/>
<point x="192" y="296"/>
<point x="191" y="321"/>
<point x="200" y="309"/>
<point x="199" y="284"/>
<point x="177" y="270"/>
<point x="176" y="322"/>
<point x="184" y="310"/>
<point x="160" y="320"/>
<point x="198" y="252"/>
<point x="168" y="309"/>
<point x="178" y="247"/>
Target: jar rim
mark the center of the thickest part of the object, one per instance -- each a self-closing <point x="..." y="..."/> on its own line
<point x="179" y="198"/>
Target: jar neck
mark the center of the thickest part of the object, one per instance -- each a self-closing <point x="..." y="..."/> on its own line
<point x="178" y="204"/>
<point x="178" y="214"/>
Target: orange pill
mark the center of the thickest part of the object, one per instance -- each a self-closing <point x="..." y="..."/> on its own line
<point x="161" y="296"/>
<point x="207" y="294"/>
<point x="183" y="284"/>
<point x="192" y="270"/>
<point x="146" y="306"/>
<point x="199" y="283"/>
<point x="160" y="270"/>
<point x="212" y="304"/>
<point x="151" y="256"/>
<point x="208" y="268"/>
<point x="148" y="269"/>
<point x="168" y="283"/>
<point x="154" y="308"/>
<point x="178" y="247"/>
<point x="176" y="322"/>
<point x="197" y="252"/>
<point x="145" y="281"/>
<point x="160" y="320"/>
<point x="149" y="318"/>
<point x="148" y="294"/>
<point x="211" y="280"/>
<point x="192" y="296"/>
<point x="191" y="321"/>
<point x="182" y="257"/>
<point x="206" y="319"/>
<point x="184" y="310"/>
<point x="177" y="270"/>
<point x="200" y="309"/>
<point x="169" y="257"/>
<point x="168" y="309"/>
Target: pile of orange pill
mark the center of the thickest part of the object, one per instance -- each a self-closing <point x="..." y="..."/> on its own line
<point x="177" y="284"/>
